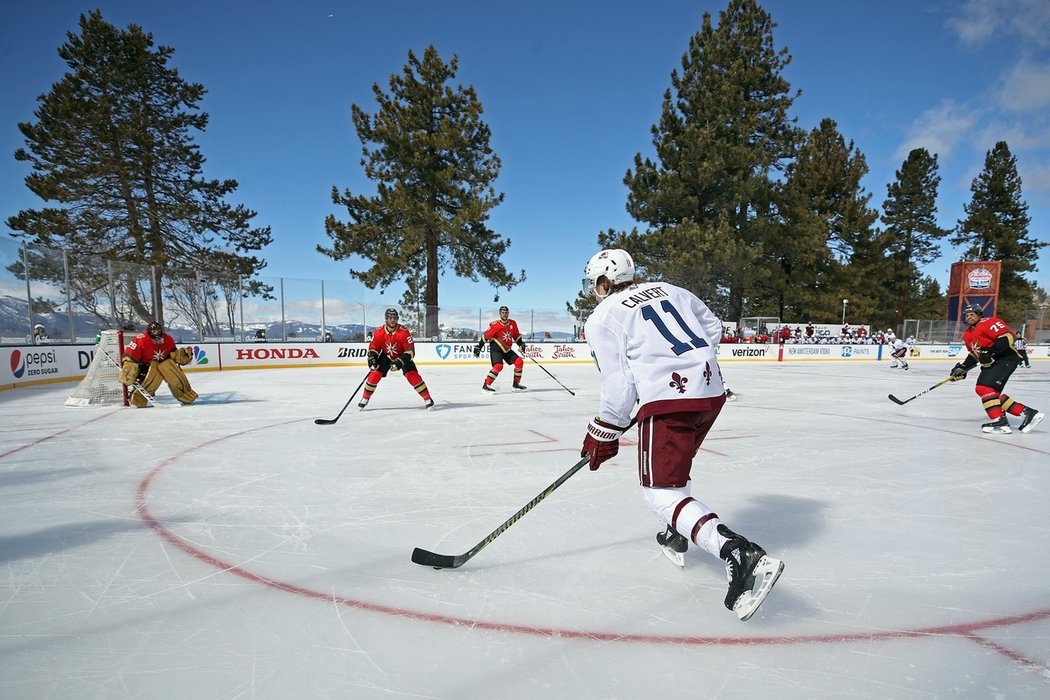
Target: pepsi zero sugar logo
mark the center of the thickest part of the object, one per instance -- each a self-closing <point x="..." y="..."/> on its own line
<point x="33" y="364"/>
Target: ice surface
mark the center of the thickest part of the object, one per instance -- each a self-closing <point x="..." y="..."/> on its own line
<point x="234" y="549"/>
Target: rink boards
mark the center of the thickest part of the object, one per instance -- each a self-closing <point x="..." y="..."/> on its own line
<point x="32" y="365"/>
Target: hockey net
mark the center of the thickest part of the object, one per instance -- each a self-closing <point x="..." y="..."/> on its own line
<point x="101" y="386"/>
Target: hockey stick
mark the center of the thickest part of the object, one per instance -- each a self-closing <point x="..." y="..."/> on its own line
<point x="448" y="561"/>
<point x="134" y="385"/>
<point x="897" y="401"/>
<point x="553" y="377"/>
<point x="330" y="421"/>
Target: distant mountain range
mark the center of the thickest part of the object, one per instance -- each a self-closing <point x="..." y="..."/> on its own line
<point x="15" y="328"/>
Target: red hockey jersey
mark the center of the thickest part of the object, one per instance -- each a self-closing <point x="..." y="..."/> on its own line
<point x="144" y="350"/>
<point x="503" y="334"/>
<point x="393" y="343"/>
<point x="984" y="334"/>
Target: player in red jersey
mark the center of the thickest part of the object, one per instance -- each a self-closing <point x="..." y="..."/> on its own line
<point x="392" y="347"/>
<point x="151" y="357"/>
<point x="501" y="336"/>
<point x="990" y="342"/>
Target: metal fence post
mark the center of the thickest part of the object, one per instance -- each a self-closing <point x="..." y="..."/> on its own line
<point x="284" y="327"/>
<point x="29" y="293"/>
<point x="69" y="297"/>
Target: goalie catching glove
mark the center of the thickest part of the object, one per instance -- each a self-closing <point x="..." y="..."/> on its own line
<point x="183" y="356"/>
<point x="601" y="443"/>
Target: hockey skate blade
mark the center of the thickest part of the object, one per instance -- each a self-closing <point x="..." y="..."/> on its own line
<point x="1034" y="422"/>
<point x="766" y="573"/>
<point x="677" y="558"/>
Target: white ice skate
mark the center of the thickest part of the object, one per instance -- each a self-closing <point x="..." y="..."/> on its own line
<point x="751" y="573"/>
<point x="766" y="573"/>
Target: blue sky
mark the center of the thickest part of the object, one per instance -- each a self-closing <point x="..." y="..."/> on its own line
<point x="570" y="90"/>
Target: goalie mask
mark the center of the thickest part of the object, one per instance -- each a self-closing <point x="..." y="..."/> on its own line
<point x="155" y="331"/>
<point x="615" y="265"/>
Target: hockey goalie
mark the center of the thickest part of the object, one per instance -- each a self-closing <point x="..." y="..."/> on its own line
<point x="151" y="357"/>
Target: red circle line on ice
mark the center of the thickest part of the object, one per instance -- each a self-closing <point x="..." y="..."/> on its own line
<point x="968" y="630"/>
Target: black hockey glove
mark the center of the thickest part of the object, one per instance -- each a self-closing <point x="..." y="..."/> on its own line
<point x="987" y="359"/>
<point x="521" y="345"/>
<point x="401" y="360"/>
<point x="958" y="372"/>
<point x="373" y="359"/>
<point x="477" y="348"/>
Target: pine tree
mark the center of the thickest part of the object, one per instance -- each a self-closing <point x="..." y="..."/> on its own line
<point x="911" y="238"/>
<point x="428" y="150"/>
<point x="112" y="146"/>
<point x="996" y="228"/>
<point x="826" y="223"/>
<point x="724" y="131"/>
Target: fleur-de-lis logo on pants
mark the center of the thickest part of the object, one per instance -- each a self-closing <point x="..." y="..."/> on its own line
<point x="678" y="382"/>
<point x="708" y="373"/>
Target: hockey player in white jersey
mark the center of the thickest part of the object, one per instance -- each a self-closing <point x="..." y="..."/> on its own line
<point x="899" y="354"/>
<point x="654" y="344"/>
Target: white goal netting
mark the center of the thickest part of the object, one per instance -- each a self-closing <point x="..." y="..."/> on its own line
<point x="101" y="386"/>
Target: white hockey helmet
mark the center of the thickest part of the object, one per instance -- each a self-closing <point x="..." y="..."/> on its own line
<point x="614" y="264"/>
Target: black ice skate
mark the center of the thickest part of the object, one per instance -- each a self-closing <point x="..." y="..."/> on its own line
<point x="486" y="387"/>
<point x="673" y="545"/>
<point x="999" y="425"/>
<point x="1030" y="420"/>
<point x="520" y="387"/>
<point x="361" y="406"/>
<point x="751" y="573"/>
<point x="428" y="404"/>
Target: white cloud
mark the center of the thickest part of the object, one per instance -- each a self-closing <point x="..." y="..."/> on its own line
<point x="1035" y="182"/>
<point x="1026" y="88"/>
<point x="979" y="21"/>
<point x="939" y="130"/>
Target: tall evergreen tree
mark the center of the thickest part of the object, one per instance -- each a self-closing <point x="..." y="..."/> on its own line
<point x="911" y="238"/>
<point x="429" y="151"/>
<point x="112" y="145"/>
<point x="723" y="132"/>
<point x="996" y="228"/>
<point x="826" y="222"/>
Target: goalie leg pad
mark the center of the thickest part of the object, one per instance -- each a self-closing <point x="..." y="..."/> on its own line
<point x="177" y="381"/>
<point x="151" y="382"/>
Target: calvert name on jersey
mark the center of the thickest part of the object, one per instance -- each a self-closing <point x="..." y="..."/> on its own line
<point x="668" y="364"/>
